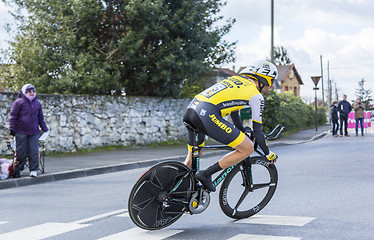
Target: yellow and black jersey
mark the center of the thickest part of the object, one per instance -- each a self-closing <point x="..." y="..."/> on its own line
<point x="207" y="109"/>
<point x="233" y="94"/>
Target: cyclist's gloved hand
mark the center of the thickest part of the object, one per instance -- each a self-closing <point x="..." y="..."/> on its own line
<point x="271" y="157"/>
<point x="13" y="133"/>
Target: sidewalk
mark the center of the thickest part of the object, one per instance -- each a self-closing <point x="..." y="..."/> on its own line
<point x="82" y="165"/>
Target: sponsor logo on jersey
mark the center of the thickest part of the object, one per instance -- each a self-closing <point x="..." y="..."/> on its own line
<point x="220" y="124"/>
<point x="262" y="105"/>
<point x="234" y="103"/>
<point x="193" y="105"/>
<point x="213" y="90"/>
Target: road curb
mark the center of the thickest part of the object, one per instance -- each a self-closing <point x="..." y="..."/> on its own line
<point x="85" y="172"/>
<point x="314" y="138"/>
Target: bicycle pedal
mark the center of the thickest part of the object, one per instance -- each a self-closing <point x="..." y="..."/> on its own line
<point x="198" y="203"/>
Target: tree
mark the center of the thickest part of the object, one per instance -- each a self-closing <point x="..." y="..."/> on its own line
<point x="364" y="94"/>
<point x="142" y="47"/>
<point x="281" y="56"/>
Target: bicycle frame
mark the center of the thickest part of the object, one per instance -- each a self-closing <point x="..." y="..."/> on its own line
<point x="247" y="175"/>
<point x="196" y="164"/>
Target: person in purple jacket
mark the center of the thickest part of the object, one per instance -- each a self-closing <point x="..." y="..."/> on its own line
<point x="26" y="116"/>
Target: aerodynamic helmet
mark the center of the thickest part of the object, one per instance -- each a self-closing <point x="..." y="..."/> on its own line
<point x="263" y="71"/>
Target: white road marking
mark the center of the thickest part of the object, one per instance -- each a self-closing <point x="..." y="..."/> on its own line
<point x="104" y="215"/>
<point x="3" y="222"/>
<point x="51" y="229"/>
<point x="277" y="220"/>
<point x="260" y="237"/>
<point x="123" y="215"/>
<point x="140" y="234"/>
<point x="42" y="231"/>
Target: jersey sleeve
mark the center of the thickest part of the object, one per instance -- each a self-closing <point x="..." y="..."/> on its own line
<point x="257" y="104"/>
<point x="236" y="120"/>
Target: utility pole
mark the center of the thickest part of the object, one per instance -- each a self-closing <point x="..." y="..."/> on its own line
<point x="323" y="90"/>
<point x="272" y="32"/>
<point x="329" y="82"/>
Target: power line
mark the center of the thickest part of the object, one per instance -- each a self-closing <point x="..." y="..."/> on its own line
<point x="354" y="66"/>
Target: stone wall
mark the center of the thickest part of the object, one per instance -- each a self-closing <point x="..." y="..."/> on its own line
<point x="78" y="122"/>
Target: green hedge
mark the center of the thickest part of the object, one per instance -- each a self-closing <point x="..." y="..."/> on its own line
<point x="291" y="112"/>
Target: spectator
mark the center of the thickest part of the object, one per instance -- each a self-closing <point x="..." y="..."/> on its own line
<point x="334" y="118"/>
<point x="26" y="116"/>
<point x="359" y="108"/>
<point x="344" y="108"/>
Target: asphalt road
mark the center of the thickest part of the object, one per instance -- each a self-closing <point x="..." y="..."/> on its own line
<point x="325" y="191"/>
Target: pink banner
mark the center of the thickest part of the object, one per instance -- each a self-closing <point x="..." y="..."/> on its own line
<point x="367" y="123"/>
<point x="352" y="121"/>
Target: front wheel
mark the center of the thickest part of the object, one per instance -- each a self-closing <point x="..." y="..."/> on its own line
<point x="240" y="199"/>
<point x="160" y="196"/>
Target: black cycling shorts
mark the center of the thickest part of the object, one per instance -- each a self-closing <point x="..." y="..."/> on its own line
<point x="208" y="120"/>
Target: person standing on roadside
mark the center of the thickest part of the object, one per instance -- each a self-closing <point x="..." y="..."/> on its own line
<point x="344" y="108"/>
<point x="359" y="108"/>
<point x="334" y="118"/>
<point x="26" y="116"/>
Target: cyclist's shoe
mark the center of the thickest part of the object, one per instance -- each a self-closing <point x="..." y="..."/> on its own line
<point x="206" y="180"/>
<point x="271" y="157"/>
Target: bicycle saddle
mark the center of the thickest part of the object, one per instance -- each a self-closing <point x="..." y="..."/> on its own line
<point x="192" y="128"/>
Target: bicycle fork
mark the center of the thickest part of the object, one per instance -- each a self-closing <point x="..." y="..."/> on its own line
<point x="246" y="171"/>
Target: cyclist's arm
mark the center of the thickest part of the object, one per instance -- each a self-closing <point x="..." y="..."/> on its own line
<point x="260" y="138"/>
<point x="257" y="104"/>
<point x="340" y="106"/>
<point x="237" y="121"/>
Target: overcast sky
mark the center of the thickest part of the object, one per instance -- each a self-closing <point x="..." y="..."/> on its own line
<point x="342" y="31"/>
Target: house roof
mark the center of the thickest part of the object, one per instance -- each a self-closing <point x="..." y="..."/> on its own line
<point x="240" y="69"/>
<point x="284" y="72"/>
<point x="226" y="71"/>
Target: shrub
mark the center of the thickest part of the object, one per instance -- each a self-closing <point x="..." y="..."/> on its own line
<point x="291" y="112"/>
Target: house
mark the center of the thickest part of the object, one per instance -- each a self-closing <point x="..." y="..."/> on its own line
<point x="217" y="75"/>
<point x="288" y="80"/>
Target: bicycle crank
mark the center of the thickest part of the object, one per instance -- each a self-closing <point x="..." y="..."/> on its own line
<point x="199" y="202"/>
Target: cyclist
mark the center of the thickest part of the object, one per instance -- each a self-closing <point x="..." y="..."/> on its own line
<point x="207" y="109"/>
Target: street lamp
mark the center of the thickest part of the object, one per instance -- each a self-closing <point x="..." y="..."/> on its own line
<point x="315" y="80"/>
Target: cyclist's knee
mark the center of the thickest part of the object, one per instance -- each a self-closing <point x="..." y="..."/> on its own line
<point x="249" y="150"/>
<point x="246" y="147"/>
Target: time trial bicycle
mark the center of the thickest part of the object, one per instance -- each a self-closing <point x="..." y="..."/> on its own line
<point x="169" y="189"/>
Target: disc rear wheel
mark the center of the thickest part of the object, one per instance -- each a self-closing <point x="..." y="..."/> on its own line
<point x="159" y="197"/>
